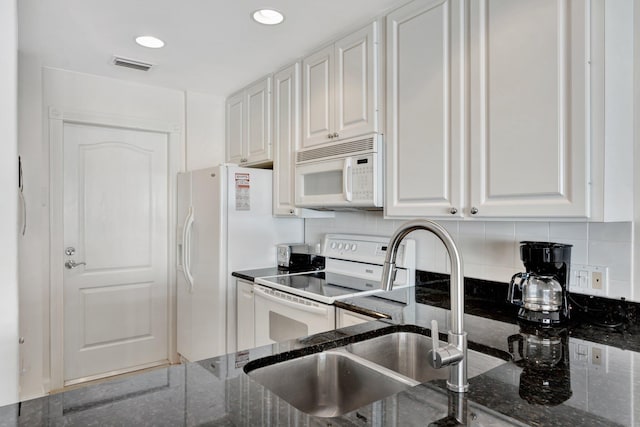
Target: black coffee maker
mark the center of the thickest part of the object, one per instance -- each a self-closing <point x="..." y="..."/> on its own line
<point x="542" y="291"/>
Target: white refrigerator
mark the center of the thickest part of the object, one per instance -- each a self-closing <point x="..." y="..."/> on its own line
<point x="225" y="224"/>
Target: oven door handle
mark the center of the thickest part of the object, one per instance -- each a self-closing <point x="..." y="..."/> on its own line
<point x="303" y="307"/>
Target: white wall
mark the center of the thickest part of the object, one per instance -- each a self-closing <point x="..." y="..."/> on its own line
<point x="205" y="130"/>
<point x="40" y="88"/>
<point x="9" y="205"/>
<point x="490" y="250"/>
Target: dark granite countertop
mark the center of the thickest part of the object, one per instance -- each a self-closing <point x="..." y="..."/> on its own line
<point x="570" y="376"/>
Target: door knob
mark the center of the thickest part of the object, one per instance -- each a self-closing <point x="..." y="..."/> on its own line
<point x="71" y="264"/>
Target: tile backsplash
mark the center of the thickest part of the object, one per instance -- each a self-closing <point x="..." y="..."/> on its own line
<point x="490" y="250"/>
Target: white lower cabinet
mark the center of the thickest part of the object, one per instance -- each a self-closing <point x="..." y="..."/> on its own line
<point x="346" y="318"/>
<point x="245" y="312"/>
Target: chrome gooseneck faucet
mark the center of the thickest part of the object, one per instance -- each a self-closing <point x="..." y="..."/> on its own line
<point x="455" y="353"/>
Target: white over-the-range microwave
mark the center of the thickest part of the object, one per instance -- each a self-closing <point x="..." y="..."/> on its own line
<point x="339" y="175"/>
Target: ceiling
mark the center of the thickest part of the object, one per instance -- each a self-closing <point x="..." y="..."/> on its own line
<point x="212" y="46"/>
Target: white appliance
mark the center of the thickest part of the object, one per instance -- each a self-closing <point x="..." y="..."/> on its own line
<point x="295" y="305"/>
<point x="225" y="224"/>
<point x="341" y="175"/>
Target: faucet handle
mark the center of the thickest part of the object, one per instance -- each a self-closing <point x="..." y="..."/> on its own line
<point x="450" y="354"/>
<point x="435" y="340"/>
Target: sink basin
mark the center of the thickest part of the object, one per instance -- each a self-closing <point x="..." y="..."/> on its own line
<point x="327" y="384"/>
<point x="334" y="382"/>
<point x="407" y="353"/>
<point x="402" y="352"/>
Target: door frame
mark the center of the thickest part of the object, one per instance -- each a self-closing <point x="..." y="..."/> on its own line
<point x="57" y="118"/>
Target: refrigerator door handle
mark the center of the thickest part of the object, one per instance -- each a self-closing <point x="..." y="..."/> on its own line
<point x="186" y="249"/>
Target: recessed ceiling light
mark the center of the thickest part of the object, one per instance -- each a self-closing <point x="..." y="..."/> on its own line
<point x="267" y="16"/>
<point x="149" y="41"/>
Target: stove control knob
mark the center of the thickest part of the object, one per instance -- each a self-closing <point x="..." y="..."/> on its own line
<point x="333" y="245"/>
<point x="339" y="246"/>
<point x="354" y="247"/>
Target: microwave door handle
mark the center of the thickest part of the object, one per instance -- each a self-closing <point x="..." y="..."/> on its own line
<point x="346" y="180"/>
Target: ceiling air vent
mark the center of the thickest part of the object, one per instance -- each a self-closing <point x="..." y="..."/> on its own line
<point x="131" y="63"/>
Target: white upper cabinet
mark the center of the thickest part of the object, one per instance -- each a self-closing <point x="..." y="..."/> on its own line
<point x="356" y="80"/>
<point x="500" y="109"/>
<point x="248" y="113"/>
<point x="318" y="97"/>
<point x="529" y="110"/>
<point x="425" y="109"/>
<point x="286" y="137"/>
<point x="341" y="97"/>
<point x="235" y="124"/>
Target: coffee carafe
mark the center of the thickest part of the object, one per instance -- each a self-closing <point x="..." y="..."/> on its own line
<point x="543" y="353"/>
<point x="541" y="291"/>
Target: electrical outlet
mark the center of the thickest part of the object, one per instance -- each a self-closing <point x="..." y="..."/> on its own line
<point x="596" y="280"/>
<point x="589" y="279"/>
<point x="596" y="356"/>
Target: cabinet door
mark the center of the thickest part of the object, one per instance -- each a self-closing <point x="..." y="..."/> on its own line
<point x="425" y="109"/>
<point x="245" y="323"/>
<point x="356" y="79"/>
<point x="317" y="97"/>
<point x="258" y="100"/>
<point x="286" y="137"/>
<point x="235" y="135"/>
<point x="529" y="139"/>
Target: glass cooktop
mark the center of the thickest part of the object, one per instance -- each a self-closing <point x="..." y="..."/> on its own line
<point x="322" y="286"/>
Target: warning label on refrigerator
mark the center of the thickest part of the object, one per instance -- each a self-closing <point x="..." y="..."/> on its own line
<point x="243" y="193"/>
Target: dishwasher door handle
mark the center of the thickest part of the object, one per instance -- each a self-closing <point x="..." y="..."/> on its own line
<point x="260" y="292"/>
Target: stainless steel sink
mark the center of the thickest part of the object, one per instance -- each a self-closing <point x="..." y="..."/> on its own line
<point x="407" y="353"/>
<point x="327" y="384"/>
<point x="334" y="382"/>
<point x="402" y="352"/>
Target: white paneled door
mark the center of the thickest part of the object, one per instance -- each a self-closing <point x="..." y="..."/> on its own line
<point x="115" y="250"/>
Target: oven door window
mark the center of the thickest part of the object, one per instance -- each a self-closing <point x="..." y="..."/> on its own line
<point x="279" y="318"/>
<point x="283" y="328"/>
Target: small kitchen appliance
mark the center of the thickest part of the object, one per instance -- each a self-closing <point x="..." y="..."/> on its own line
<point x="541" y="291"/>
<point x="294" y="256"/>
<point x="343" y="175"/>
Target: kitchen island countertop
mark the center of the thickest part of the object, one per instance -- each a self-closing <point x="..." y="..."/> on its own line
<point x="596" y="384"/>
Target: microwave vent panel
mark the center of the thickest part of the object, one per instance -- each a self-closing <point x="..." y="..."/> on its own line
<point x="349" y="147"/>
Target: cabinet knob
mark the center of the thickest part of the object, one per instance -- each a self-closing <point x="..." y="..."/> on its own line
<point x="335" y="134"/>
<point x="453" y="211"/>
<point x="291" y="211"/>
<point x="474" y="210"/>
<point x="330" y="136"/>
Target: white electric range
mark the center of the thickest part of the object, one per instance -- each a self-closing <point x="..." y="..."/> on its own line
<point x="294" y="305"/>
